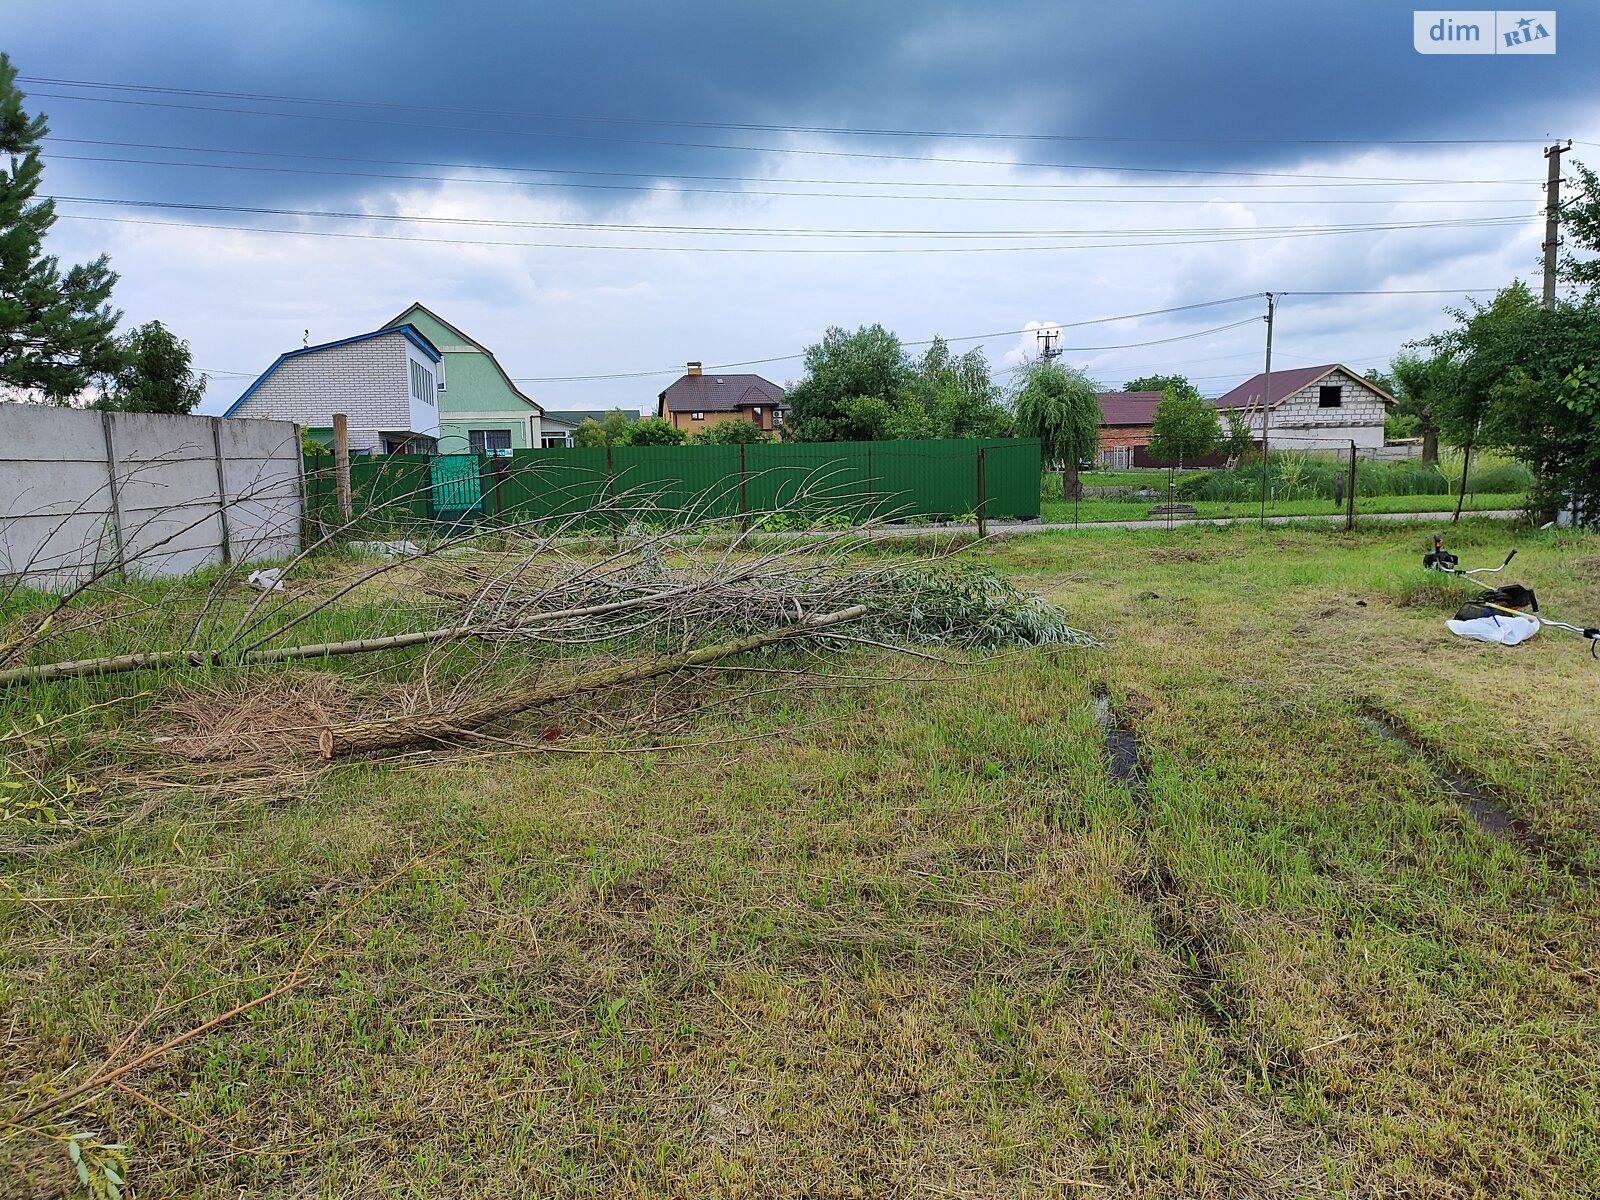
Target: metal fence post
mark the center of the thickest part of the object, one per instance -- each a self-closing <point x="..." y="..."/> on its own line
<point x="744" y="493"/>
<point x="222" y="488"/>
<point x="983" y="498"/>
<point x="1350" y="495"/>
<point x="116" y="499"/>
<point x="611" y="495"/>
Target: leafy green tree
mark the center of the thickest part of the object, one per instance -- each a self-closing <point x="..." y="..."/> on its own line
<point x="956" y="392"/>
<point x="613" y="430"/>
<point x="1423" y="386"/>
<point x="1058" y="405"/>
<point x="654" y="431"/>
<point x="155" y="375"/>
<point x="55" y="329"/>
<point x="877" y="419"/>
<point x="1238" y="439"/>
<point x="1518" y="387"/>
<point x="845" y="367"/>
<point x="731" y="433"/>
<point x="1164" y="384"/>
<point x="1185" y="426"/>
<point x="1580" y="228"/>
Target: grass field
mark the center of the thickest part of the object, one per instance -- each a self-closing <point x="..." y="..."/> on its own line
<point x="1094" y="509"/>
<point x="907" y="937"/>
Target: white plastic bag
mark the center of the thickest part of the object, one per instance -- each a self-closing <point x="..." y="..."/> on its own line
<point x="268" y="580"/>
<point x="1507" y="629"/>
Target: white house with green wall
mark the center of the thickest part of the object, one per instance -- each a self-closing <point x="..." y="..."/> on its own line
<point x="480" y="409"/>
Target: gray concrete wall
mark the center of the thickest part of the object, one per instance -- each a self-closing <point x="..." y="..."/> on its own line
<point x="155" y="495"/>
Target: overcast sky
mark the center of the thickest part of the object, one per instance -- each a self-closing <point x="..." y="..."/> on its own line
<point x="611" y="189"/>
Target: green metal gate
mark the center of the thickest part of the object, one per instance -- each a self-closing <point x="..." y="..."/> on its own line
<point x="455" y="491"/>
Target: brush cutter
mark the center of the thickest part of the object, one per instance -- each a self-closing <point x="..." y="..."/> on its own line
<point x="1507" y="614"/>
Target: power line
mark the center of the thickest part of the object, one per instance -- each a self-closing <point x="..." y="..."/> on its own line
<point x="792" y="250"/>
<point x="969" y="337"/>
<point x="1219" y="233"/>
<point x="851" y="131"/>
<point x="857" y="154"/>
<point x="655" y="187"/>
<point x="653" y="175"/>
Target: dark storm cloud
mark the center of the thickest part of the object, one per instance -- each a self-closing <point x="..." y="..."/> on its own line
<point x="1188" y="75"/>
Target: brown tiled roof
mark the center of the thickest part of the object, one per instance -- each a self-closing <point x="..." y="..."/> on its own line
<point x="1128" y="408"/>
<point x="720" y="393"/>
<point x="1286" y="384"/>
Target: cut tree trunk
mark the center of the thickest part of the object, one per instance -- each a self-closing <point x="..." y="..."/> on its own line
<point x="338" y="741"/>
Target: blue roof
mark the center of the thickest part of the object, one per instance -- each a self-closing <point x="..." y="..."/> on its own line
<point x="409" y="332"/>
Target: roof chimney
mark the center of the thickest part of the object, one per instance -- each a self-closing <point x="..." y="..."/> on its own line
<point x="694" y="368"/>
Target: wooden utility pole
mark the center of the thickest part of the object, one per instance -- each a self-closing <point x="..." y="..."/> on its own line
<point x="341" y="465"/>
<point x="1552" y="218"/>
<point x="1266" y="407"/>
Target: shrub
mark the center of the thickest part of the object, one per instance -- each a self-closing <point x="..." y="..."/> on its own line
<point x="1500" y="477"/>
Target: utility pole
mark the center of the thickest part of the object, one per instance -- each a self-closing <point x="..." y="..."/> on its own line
<point x="1266" y="407"/>
<point x="1552" y="218"/>
<point x="1048" y="338"/>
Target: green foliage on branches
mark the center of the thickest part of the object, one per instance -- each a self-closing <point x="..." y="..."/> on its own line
<point x="55" y="329"/>
<point x="614" y="429"/>
<point x="1058" y="405"/>
<point x="155" y="375"/>
<point x="861" y="386"/>
<point x="654" y="431"/>
<point x="731" y="433"/>
<point x="1520" y="384"/>
<point x="1185" y="426"/>
<point x="1166" y="384"/>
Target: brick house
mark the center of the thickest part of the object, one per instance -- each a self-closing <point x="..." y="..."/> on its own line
<point x="698" y="401"/>
<point x="1312" y="408"/>
<point x="481" y="411"/>
<point x="1125" y="422"/>
<point x="385" y="382"/>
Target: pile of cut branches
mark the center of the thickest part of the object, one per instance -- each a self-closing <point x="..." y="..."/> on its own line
<point x="551" y="620"/>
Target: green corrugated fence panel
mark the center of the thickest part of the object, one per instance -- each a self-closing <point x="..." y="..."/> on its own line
<point x="553" y="485"/>
<point x="663" y="484"/>
<point x="385" y="489"/>
<point x="660" y="484"/>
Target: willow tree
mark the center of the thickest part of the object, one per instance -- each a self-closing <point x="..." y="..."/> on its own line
<point x="1058" y="405"/>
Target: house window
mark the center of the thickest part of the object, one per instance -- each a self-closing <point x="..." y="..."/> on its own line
<point x="554" y="441"/>
<point x="422" y="384"/>
<point x="1330" y="395"/>
<point x="697" y="416"/>
<point x="489" y="441"/>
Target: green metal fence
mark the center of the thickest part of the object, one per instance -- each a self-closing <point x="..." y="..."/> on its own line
<point x="857" y="481"/>
<point x="854" y="480"/>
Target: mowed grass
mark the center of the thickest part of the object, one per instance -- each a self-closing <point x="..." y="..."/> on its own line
<point x="902" y="938"/>
<point x="1055" y="511"/>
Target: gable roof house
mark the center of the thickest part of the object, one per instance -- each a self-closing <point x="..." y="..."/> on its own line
<point x="698" y="401"/>
<point x="1312" y="408"/>
<point x="481" y="411"/>
<point x="383" y="381"/>
<point x="1125" y="422"/>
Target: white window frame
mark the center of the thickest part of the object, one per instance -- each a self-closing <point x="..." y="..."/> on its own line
<point x="482" y="436"/>
<point x="422" y="384"/>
